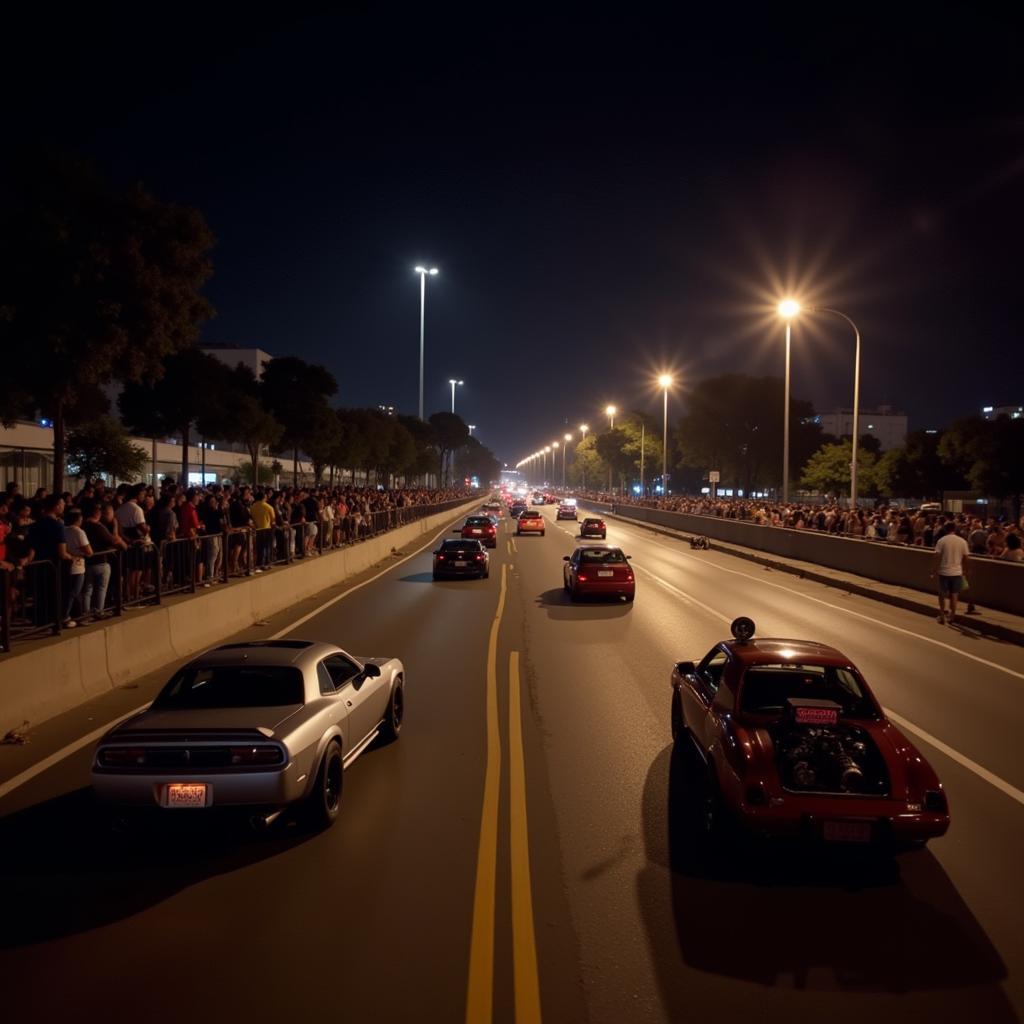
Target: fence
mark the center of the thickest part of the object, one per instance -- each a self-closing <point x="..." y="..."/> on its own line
<point x="145" y="573"/>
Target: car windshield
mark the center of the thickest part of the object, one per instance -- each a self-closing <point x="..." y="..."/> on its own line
<point x="232" y="686"/>
<point x="601" y="556"/>
<point x="766" y="688"/>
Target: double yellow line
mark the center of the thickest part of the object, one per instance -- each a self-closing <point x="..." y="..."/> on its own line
<point x="526" y="986"/>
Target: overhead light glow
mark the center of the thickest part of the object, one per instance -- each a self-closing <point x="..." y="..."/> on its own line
<point x="789" y="308"/>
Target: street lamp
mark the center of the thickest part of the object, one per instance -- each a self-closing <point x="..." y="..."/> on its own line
<point x="583" y="431"/>
<point x="547" y="448"/>
<point x="454" y="382"/>
<point x="554" y="455"/>
<point x="423" y="272"/>
<point x="790" y="308"/>
<point x="472" y="427"/>
<point x="610" y="412"/>
<point x="665" y="382"/>
<point x="568" y="438"/>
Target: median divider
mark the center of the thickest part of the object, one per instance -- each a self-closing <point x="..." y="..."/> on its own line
<point x="50" y="677"/>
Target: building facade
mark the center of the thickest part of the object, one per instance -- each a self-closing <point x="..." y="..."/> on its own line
<point x="885" y="423"/>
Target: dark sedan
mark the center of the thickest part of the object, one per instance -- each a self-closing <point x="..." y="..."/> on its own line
<point x="593" y="527"/>
<point x="456" y="558"/>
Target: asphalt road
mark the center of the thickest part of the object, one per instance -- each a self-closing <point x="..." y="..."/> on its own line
<point x="523" y="845"/>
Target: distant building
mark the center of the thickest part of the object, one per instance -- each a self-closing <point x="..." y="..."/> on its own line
<point x="889" y="426"/>
<point x="993" y="412"/>
<point x="255" y="358"/>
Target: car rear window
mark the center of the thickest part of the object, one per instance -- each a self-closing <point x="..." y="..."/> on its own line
<point x="601" y="556"/>
<point x="478" y="521"/>
<point x="461" y="545"/>
<point x="232" y="686"/>
<point x="766" y="688"/>
<point x="530" y="515"/>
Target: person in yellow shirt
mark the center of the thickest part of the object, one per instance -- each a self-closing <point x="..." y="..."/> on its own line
<point x="262" y="520"/>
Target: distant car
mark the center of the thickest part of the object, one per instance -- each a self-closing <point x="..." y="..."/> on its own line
<point x="530" y="522"/>
<point x="260" y="725"/>
<point x="598" y="569"/>
<point x="566" y="511"/>
<point x="593" y="527"/>
<point x="550" y="499"/>
<point x="457" y="558"/>
<point x="518" y="508"/>
<point x="796" y="746"/>
<point x="494" y="508"/>
<point x="539" y="499"/>
<point x="480" y="528"/>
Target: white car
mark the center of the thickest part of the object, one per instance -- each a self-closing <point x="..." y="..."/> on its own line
<point x="260" y="725"/>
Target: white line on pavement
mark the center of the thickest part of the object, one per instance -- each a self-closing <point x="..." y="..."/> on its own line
<point x="845" y="611"/>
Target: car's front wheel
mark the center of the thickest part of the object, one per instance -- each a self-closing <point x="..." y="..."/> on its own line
<point x="392" y="724"/>
<point x="324" y="802"/>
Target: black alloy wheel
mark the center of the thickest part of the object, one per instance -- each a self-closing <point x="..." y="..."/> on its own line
<point x="324" y="803"/>
<point x="391" y="727"/>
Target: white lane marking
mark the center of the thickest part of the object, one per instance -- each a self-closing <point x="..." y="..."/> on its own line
<point x="351" y="590"/>
<point x="961" y="759"/>
<point x="983" y="773"/>
<point x="845" y="611"/>
<point x="55" y="758"/>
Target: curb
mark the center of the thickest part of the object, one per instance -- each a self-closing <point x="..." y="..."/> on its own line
<point x="969" y="627"/>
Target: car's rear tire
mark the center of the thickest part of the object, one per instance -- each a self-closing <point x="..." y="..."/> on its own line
<point x="678" y="723"/>
<point x="323" y="805"/>
<point x="542" y="533"/>
<point x="574" y="592"/>
<point x="391" y="727"/>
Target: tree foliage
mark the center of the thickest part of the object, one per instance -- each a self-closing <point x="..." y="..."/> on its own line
<point x="828" y="469"/>
<point x="102" y="447"/>
<point x="990" y="453"/>
<point x="96" y="284"/>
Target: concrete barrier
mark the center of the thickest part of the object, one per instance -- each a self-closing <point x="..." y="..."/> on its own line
<point x="57" y="676"/>
<point x="995" y="584"/>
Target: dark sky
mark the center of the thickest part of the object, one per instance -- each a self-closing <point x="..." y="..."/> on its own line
<point x="604" y="197"/>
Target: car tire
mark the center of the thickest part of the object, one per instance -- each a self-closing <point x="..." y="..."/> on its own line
<point x="542" y="533"/>
<point x="574" y="592"/>
<point x="323" y="805"/>
<point x="391" y="727"/>
<point x="678" y="722"/>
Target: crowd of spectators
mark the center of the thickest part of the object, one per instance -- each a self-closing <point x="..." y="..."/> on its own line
<point x="991" y="536"/>
<point x="228" y="525"/>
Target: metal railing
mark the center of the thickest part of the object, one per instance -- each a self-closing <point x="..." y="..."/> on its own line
<point x="145" y="573"/>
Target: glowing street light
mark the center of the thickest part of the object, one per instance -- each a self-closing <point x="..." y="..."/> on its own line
<point x="583" y="432"/>
<point x="454" y="383"/>
<point x="788" y="308"/>
<point x="665" y="381"/>
<point x="610" y="412"/>
<point x="423" y="272"/>
<point x="472" y="427"/>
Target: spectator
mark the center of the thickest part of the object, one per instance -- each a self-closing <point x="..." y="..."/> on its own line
<point x="1013" y="551"/>
<point x="77" y="543"/>
<point x="97" y="568"/>
<point x="951" y="563"/>
<point x="263" y="516"/>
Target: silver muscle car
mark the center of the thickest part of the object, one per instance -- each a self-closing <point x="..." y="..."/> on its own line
<point x="259" y="725"/>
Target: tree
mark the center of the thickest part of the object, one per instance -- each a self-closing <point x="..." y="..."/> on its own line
<point x="103" y="447"/>
<point x="450" y="433"/>
<point x="425" y="442"/>
<point x="185" y="397"/>
<point x="991" y="454"/>
<point x="96" y="284"/>
<point x="587" y="466"/>
<point x="292" y="390"/>
<point x="917" y="470"/>
<point x="733" y="425"/>
<point x="245" y="473"/>
<point x="323" y="431"/>
<point x="611" y="446"/>
<point x="244" y="417"/>
<point x="828" y="469"/>
<point x="475" y="460"/>
<point x="351" y="446"/>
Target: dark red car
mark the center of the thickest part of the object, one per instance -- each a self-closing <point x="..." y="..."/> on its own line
<point x="480" y="528"/>
<point x="598" y="569"/>
<point x="593" y="527"/>
<point x="795" y="745"/>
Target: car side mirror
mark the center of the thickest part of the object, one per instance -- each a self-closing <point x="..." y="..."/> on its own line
<point x="371" y="671"/>
<point x="458" y="529"/>
<point x="565" y="558"/>
<point x="629" y="557"/>
<point x="685" y="668"/>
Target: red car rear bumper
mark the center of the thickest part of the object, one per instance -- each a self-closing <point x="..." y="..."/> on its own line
<point x="595" y="587"/>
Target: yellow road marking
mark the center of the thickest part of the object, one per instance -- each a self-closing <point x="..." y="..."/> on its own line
<point x="512" y="541"/>
<point x="480" y="988"/>
<point x="524" y="942"/>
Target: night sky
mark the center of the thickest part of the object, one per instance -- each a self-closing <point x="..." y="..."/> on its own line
<point x="604" y="197"/>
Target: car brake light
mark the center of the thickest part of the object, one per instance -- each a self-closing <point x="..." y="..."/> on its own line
<point x="440" y="558"/>
<point x="255" y="755"/>
<point x="120" y="757"/>
<point x="582" y="578"/>
<point x="629" y="577"/>
<point x="479" y="558"/>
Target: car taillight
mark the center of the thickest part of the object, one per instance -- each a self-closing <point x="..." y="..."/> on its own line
<point x="629" y="577"/>
<point x="122" y="757"/>
<point x="440" y="558"/>
<point x="581" y="578"/>
<point x="479" y="558"/>
<point x="255" y="755"/>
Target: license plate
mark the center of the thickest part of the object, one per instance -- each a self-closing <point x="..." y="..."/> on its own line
<point x="477" y="532"/>
<point x="186" y="794"/>
<point x="460" y="565"/>
<point x="848" y="831"/>
<point x="605" y="572"/>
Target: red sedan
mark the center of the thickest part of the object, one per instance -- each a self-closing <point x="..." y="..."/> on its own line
<point x="480" y="528"/>
<point x="598" y="569"/>
<point x="795" y="745"/>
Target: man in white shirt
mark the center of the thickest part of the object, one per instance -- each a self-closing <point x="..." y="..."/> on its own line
<point x="951" y="558"/>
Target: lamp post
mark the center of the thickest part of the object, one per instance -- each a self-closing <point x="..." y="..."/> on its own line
<point x="554" y="455"/>
<point x="665" y="380"/>
<point x="472" y="427"/>
<point x="790" y="308"/>
<point x="454" y="383"/>
<point x="642" y="432"/>
<point x="583" y="436"/>
<point x="423" y="272"/>
<point x="567" y="439"/>
<point x="547" y="448"/>
<point x="610" y="411"/>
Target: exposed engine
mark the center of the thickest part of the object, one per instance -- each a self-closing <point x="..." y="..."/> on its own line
<point x="816" y="752"/>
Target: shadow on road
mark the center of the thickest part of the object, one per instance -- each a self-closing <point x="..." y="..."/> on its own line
<point x="417" y="577"/>
<point x="798" y="921"/>
<point x="65" y="870"/>
<point x="559" y="605"/>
